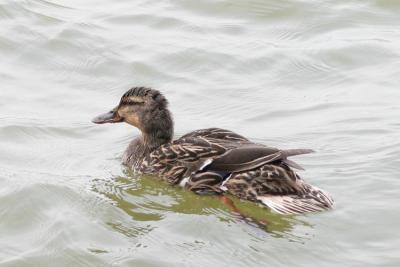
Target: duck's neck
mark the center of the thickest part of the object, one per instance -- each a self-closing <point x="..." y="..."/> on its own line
<point x="158" y="130"/>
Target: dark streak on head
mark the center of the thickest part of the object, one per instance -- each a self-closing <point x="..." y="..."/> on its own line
<point x="140" y="95"/>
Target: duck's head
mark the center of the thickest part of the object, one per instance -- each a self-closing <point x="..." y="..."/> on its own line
<point x="144" y="108"/>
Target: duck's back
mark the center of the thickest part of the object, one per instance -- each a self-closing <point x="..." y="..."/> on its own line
<point x="217" y="133"/>
<point x="213" y="150"/>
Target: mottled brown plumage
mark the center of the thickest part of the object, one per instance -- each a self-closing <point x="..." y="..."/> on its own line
<point x="212" y="161"/>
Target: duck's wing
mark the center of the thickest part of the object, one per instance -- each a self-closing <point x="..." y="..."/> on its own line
<point x="216" y="133"/>
<point x="251" y="156"/>
<point x="188" y="155"/>
<point x="243" y="154"/>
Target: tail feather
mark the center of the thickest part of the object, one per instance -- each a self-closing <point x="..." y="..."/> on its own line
<point x="314" y="200"/>
<point x="294" y="152"/>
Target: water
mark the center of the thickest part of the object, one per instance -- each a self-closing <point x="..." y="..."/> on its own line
<point x="291" y="74"/>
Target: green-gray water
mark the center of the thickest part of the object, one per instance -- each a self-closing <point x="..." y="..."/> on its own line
<point x="291" y="74"/>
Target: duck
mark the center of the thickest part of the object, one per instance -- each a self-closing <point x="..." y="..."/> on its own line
<point x="212" y="161"/>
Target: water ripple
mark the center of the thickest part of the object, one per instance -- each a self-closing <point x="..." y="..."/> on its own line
<point x="315" y="74"/>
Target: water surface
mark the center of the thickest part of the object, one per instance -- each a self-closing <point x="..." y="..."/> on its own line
<point x="291" y="74"/>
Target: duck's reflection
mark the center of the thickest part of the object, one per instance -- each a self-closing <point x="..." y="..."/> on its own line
<point x="145" y="199"/>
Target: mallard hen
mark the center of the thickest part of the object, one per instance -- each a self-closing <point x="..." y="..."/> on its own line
<point x="212" y="161"/>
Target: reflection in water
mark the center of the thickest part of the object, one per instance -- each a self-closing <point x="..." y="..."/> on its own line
<point x="147" y="199"/>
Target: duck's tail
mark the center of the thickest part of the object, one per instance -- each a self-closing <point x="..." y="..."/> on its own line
<point x="312" y="200"/>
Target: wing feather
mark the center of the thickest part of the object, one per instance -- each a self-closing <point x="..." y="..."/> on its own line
<point x="250" y="157"/>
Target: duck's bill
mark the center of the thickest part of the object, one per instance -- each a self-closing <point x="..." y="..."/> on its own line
<point x="109" y="117"/>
